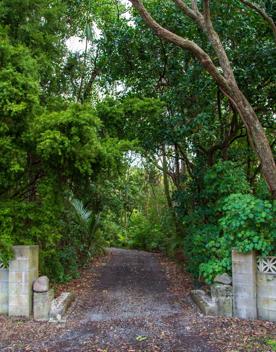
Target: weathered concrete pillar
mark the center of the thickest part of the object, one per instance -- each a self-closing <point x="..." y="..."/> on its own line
<point x="23" y="270"/>
<point x="266" y="296"/>
<point x="42" y="305"/>
<point x="244" y="273"/>
<point x="223" y="296"/>
<point x="4" y="290"/>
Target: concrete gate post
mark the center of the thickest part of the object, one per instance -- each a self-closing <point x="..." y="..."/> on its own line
<point x="244" y="272"/>
<point x="4" y="290"/>
<point x="23" y="270"/>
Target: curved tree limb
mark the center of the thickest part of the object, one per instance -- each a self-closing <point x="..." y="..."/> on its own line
<point x="183" y="43"/>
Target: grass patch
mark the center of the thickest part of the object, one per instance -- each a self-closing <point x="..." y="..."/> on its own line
<point x="272" y="344"/>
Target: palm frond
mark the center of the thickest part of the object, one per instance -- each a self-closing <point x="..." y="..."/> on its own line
<point x="80" y="209"/>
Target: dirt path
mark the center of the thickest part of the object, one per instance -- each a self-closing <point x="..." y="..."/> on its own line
<point x="134" y="303"/>
<point x="125" y="303"/>
<point x="131" y="308"/>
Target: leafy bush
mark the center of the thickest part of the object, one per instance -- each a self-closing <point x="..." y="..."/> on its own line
<point x="247" y="223"/>
<point x="66" y="234"/>
<point x="144" y="234"/>
<point x="46" y="154"/>
<point x="25" y="223"/>
<point x="224" y="216"/>
<point x="223" y="179"/>
<point x="196" y="245"/>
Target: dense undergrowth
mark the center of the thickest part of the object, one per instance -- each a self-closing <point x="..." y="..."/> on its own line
<point x="225" y="215"/>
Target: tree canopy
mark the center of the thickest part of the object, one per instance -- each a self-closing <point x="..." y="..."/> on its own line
<point x="133" y="141"/>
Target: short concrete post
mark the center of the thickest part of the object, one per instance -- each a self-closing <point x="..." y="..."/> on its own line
<point x="244" y="273"/>
<point x="23" y="270"/>
<point x="42" y="304"/>
<point x="42" y="298"/>
<point x="4" y="290"/>
<point x="223" y="296"/>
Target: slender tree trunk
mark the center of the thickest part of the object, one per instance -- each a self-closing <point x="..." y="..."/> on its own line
<point x="83" y="71"/>
<point x="167" y="192"/>
<point x="166" y="178"/>
<point x="177" y="167"/>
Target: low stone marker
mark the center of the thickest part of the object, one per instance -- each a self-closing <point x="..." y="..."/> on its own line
<point x="60" y="305"/>
<point x="223" y="296"/>
<point x="205" y="302"/>
<point x="41" y="284"/>
<point x="43" y="297"/>
<point x="42" y="304"/>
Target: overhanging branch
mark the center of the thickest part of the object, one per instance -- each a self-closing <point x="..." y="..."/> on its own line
<point x="264" y="15"/>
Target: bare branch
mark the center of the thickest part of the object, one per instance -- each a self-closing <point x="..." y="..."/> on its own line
<point x="263" y="13"/>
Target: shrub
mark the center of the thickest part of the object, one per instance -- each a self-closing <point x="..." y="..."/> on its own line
<point x="144" y="234"/>
<point x="247" y="223"/>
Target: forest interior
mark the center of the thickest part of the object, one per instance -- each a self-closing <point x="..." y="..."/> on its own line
<point x="140" y="125"/>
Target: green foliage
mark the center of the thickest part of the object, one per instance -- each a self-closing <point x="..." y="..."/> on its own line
<point x="5" y="238"/>
<point x="128" y="117"/>
<point x="226" y="216"/>
<point x="88" y="223"/>
<point x="49" y="146"/>
<point x="18" y="99"/>
<point x="143" y="233"/>
<point x="19" y="86"/>
<point x="67" y="140"/>
<point x="137" y="216"/>
<point x="39" y="25"/>
<point x="272" y="344"/>
<point x="24" y="223"/>
<point x="80" y="241"/>
<point x="248" y="224"/>
<point x="223" y="179"/>
<point x="196" y="245"/>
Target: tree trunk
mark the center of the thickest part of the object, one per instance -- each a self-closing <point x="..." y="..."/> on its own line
<point x="166" y="179"/>
<point x="257" y="139"/>
<point x="177" y="224"/>
<point x="177" y="168"/>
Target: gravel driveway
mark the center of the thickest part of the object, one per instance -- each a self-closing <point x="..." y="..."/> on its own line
<point x="124" y="303"/>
